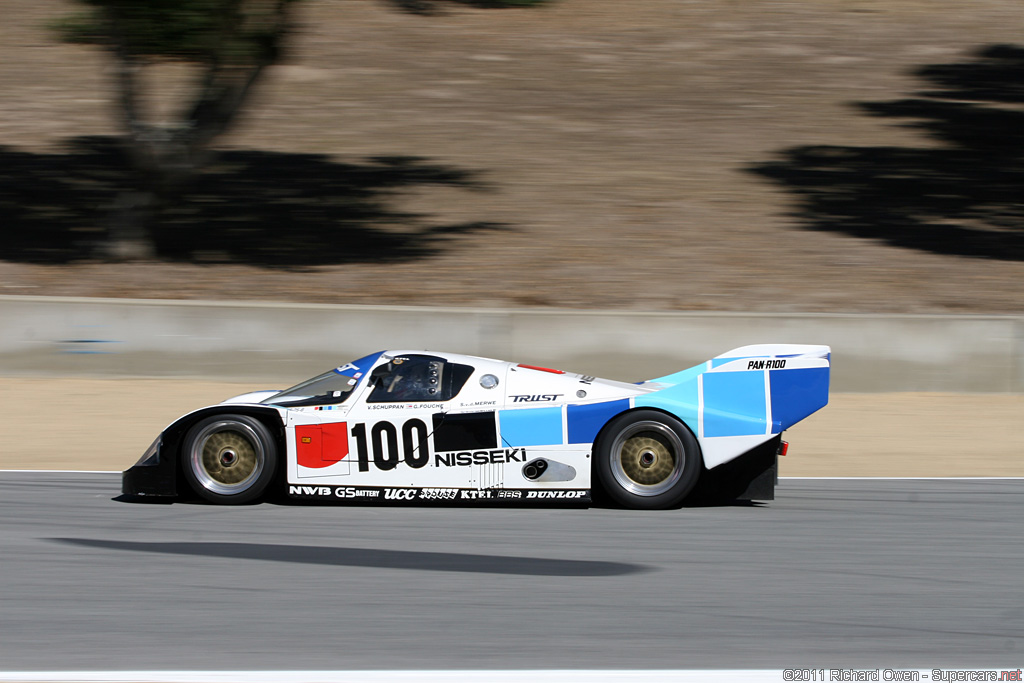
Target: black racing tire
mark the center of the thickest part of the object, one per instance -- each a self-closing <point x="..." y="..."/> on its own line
<point x="229" y="459"/>
<point x="647" y="460"/>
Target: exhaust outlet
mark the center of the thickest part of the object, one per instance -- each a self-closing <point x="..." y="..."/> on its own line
<point x="533" y="469"/>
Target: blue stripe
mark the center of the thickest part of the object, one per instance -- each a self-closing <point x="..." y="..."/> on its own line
<point x="734" y="404"/>
<point x="681" y="376"/>
<point x="680" y="400"/>
<point x="796" y="394"/>
<point x="586" y="421"/>
<point x="531" y="427"/>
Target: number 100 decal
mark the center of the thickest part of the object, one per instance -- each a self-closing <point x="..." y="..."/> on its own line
<point x="383" y="441"/>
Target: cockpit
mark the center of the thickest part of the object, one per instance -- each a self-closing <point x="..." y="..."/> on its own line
<point x="416" y="377"/>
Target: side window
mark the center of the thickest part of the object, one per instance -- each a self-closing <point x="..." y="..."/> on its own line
<point x="417" y="378"/>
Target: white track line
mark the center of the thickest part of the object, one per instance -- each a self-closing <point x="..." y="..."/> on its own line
<point x="454" y="676"/>
<point x="497" y="676"/>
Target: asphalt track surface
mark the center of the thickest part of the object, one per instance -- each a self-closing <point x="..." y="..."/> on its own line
<point x="834" y="573"/>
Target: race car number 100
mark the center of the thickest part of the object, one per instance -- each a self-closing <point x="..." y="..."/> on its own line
<point x="383" y="441"/>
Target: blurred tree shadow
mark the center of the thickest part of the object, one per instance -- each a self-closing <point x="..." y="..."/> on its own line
<point x="428" y="7"/>
<point x="261" y="208"/>
<point x="963" y="197"/>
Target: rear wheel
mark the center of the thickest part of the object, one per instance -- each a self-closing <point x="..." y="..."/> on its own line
<point x="229" y="459"/>
<point x="647" y="460"/>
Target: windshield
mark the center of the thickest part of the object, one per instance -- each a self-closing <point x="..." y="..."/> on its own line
<point x="329" y="388"/>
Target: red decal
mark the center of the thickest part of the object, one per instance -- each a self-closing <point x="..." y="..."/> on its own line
<point x="307" y="446"/>
<point x="534" y="367"/>
<point x="335" y="442"/>
<point x="321" y="445"/>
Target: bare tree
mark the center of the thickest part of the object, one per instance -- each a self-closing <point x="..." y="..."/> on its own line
<point x="230" y="42"/>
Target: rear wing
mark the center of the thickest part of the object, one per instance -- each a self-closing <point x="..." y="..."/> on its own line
<point x="745" y="396"/>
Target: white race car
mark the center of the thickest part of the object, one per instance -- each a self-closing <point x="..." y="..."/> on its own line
<point x="420" y="426"/>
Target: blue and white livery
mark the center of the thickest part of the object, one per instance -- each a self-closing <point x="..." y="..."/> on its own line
<point x="423" y="426"/>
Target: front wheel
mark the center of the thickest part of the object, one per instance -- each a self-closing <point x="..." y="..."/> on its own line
<point x="229" y="459"/>
<point x="647" y="460"/>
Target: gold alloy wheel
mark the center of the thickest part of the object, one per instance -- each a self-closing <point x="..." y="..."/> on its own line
<point x="647" y="458"/>
<point x="227" y="457"/>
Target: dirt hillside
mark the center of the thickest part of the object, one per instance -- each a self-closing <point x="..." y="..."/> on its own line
<point x="811" y="155"/>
